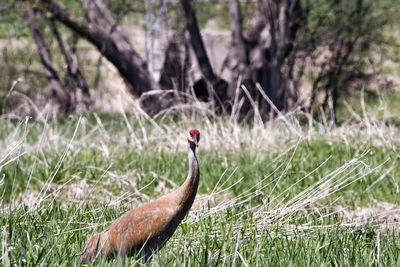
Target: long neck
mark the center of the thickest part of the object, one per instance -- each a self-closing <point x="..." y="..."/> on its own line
<point x="188" y="189"/>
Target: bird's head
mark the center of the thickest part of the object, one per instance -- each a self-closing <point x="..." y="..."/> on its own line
<point x="194" y="137"/>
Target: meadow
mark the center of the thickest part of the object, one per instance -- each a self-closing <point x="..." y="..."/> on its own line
<point x="291" y="191"/>
<point x="277" y="193"/>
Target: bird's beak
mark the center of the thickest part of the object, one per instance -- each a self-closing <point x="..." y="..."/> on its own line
<point x="196" y="140"/>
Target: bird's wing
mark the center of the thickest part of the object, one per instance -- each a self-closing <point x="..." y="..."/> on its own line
<point x="138" y="225"/>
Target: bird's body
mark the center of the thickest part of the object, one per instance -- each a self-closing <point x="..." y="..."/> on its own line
<point x="146" y="228"/>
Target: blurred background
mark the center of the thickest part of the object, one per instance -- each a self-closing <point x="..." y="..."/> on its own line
<point x="238" y="57"/>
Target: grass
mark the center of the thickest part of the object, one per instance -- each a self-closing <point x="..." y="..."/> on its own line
<point x="270" y="193"/>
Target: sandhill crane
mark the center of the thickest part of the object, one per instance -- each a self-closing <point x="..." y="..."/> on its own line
<point x="148" y="227"/>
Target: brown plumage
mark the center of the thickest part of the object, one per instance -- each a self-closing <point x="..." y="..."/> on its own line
<point x="149" y="226"/>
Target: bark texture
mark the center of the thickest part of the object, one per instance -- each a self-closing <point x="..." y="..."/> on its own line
<point x="218" y="89"/>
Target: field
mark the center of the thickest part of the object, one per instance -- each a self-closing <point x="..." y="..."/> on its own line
<point x="277" y="193"/>
<point x="295" y="190"/>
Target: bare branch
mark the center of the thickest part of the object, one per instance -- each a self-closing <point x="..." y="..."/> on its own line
<point x="72" y="63"/>
<point x="114" y="46"/>
<point x="50" y="72"/>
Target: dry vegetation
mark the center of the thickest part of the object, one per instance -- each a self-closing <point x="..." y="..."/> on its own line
<point x="263" y="184"/>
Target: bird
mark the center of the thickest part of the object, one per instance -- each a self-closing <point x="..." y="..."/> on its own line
<point x="145" y="229"/>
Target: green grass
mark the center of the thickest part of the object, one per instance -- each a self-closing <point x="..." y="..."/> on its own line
<point x="254" y="222"/>
<point x="56" y="234"/>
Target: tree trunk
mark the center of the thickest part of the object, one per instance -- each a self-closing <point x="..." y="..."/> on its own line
<point x="219" y="86"/>
<point x="239" y="50"/>
<point x="105" y="35"/>
<point x="260" y="55"/>
<point x="174" y="73"/>
<point x="238" y="61"/>
<point x="74" y="73"/>
<point x="271" y="37"/>
<point x="63" y="98"/>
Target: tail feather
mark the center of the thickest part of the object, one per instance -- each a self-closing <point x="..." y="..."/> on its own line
<point x="91" y="249"/>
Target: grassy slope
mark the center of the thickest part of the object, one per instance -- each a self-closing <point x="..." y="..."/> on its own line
<point x="263" y="226"/>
